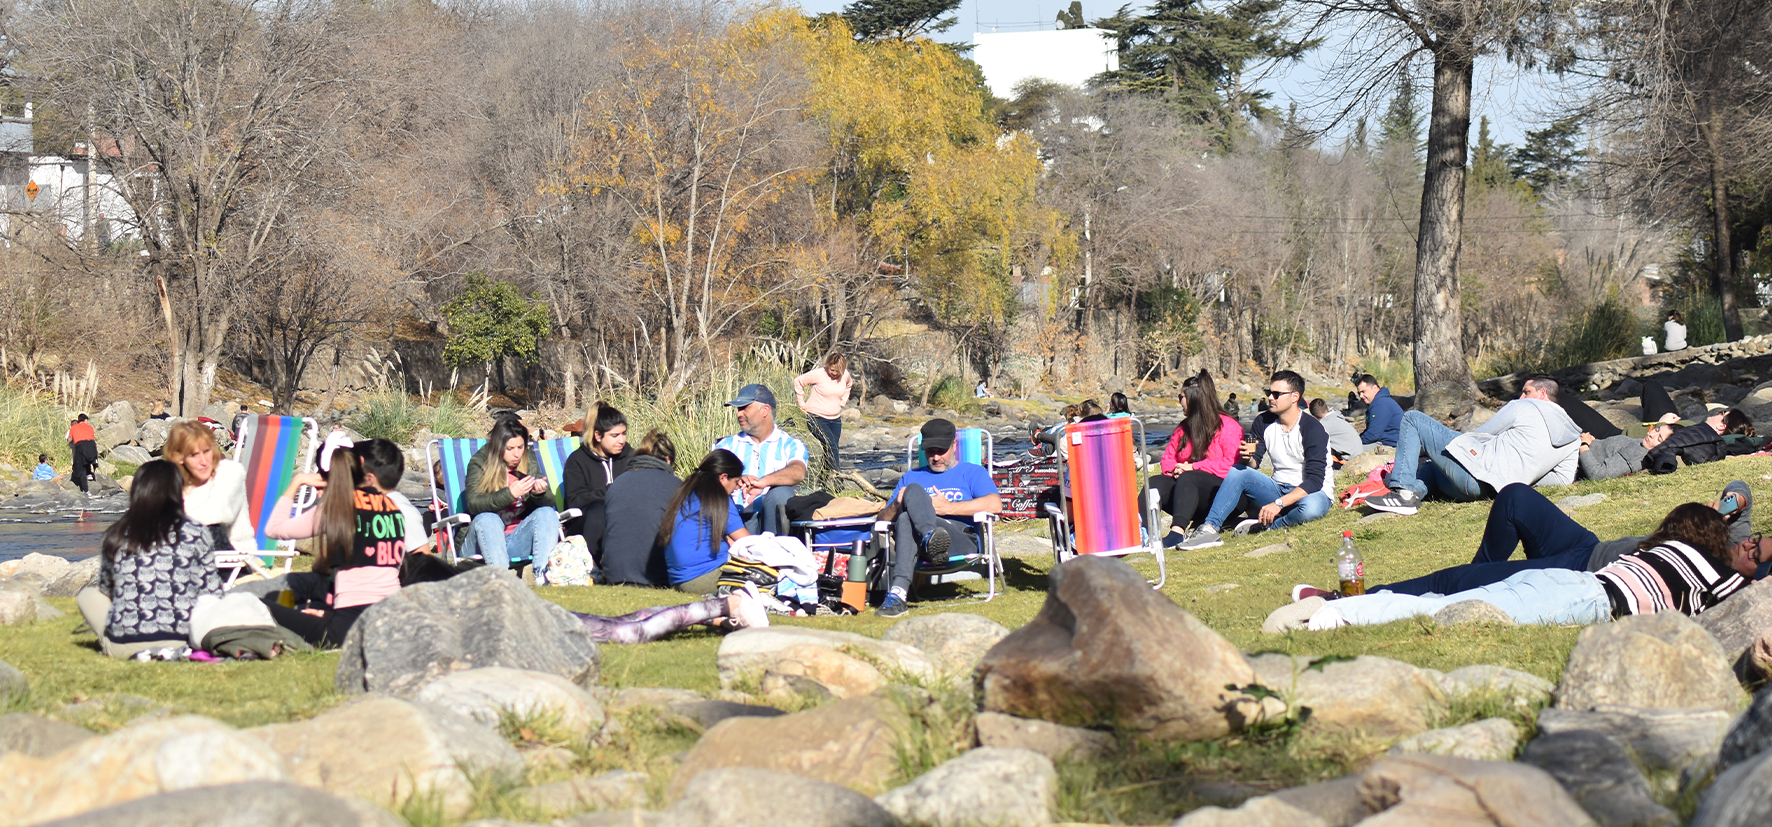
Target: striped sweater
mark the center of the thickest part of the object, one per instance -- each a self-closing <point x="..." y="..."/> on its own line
<point x="1672" y="575"/>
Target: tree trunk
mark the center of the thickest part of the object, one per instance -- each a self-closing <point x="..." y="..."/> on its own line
<point x="175" y="370"/>
<point x="1439" y="323"/>
<point x="1722" y="278"/>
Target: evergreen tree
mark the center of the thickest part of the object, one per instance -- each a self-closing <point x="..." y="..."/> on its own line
<point x="1073" y="17"/>
<point x="1489" y="162"/>
<point x="1550" y="155"/>
<point x="899" y="20"/>
<point x="1400" y="128"/>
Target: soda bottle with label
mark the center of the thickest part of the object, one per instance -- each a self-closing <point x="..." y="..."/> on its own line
<point x="1351" y="570"/>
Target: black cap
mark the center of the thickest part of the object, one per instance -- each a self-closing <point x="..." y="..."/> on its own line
<point x="938" y="436"/>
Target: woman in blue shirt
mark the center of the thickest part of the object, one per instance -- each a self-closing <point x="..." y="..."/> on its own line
<point x="694" y="549"/>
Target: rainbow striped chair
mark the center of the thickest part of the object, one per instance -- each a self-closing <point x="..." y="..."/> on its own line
<point x="272" y="449"/>
<point x="1104" y="508"/>
<point x="448" y="458"/>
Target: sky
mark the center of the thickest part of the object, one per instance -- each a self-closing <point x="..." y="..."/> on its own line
<point x="1513" y="101"/>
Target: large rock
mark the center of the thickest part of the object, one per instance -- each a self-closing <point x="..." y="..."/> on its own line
<point x="1522" y="689"/>
<point x="1738" y="798"/>
<point x="151" y="436"/>
<point x="12" y="682"/>
<point x="955" y="642"/>
<point x="1441" y="791"/>
<point x="46" y="566"/>
<point x="492" y="694"/>
<point x="113" y="435"/>
<point x="20" y="603"/>
<point x="118" y="412"/>
<point x="1491" y="739"/>
<point x="1664" y="741"/>
<point x="1367" y="697"/>
<point x="37" y="737"/>
<point x="1598" y="771"/>
<point x="1107" y="650"/>
<point x="1264" y="811"/>
<point x="388" y="750"/>
<point x="702" y="715"/>
<point x="1663" y="660"/>
<point x="1749" y="734"/>
<point x="77" y="576"/>
<point x="821" y="672"/>
<point x="610" y="790"/>
<point x="1052" y="740"/>
<point x="853" y="743"/>
<point x="239" y="805"/>
<point x="985" y="786"/>
<point x="132" y="454"/>
<point x="1336" y="802"/>
<point x="144" y="759"/>
<point x="732" y="797"/>
<point x="484" y="617"/>
<point x="1740" y="622"/>
<point x="745" y="655"/>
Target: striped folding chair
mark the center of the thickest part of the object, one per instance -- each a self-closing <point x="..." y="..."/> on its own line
<point x="552" y="454"/>
<point x="1104" y="509"/>
<point x="451" y="509"/>
<point x="272" y="449"/>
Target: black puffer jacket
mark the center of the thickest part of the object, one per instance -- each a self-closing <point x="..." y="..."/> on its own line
<point x="1696" y="444"/>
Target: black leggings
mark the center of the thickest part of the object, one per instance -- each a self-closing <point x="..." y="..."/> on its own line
<point x="1656" y="402"/>
<point x="326" y="631"/>
<point x="1187" y="497"/>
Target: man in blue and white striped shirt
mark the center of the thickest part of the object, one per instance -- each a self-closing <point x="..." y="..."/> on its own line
<point x="774" y="461"/>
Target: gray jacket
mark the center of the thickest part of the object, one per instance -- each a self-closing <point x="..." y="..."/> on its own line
<point x="1528" y="440"/>
<point x="1612" y="457"/>
<point x="1344" y="441"/>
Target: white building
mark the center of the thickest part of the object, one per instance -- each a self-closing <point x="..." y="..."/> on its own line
<point x="56" y="189"/>
<point x="1067" y="56"/>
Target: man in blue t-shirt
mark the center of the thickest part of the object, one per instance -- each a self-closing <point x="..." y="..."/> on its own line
<point x="924" y="508"/>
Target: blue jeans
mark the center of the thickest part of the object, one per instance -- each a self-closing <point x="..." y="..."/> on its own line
<point x="1442" y="474"/>
<point x="1261" y="489"/>
<point x="828" y="432"/>
<point x="761" y="514"/>
<point x="1520" y="517"/>
<point x="1538" y="596"/>
<point x="532" y="538"/>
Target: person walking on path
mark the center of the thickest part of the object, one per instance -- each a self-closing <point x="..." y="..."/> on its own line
<point x="823" y="392"/>
<point x="84" y="442"/>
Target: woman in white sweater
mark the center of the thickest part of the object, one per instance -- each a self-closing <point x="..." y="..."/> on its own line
<point x="215" y="486"/>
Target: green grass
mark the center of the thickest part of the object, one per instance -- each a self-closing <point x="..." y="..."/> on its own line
<point x="1139" y="784"/>
<point x="30" y="426"/>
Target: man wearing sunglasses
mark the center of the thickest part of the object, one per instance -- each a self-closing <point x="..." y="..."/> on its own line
<point x="1530" y="440"/>
<point x="1296" y="493"/>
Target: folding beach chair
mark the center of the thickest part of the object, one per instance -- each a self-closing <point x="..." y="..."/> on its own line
<point x="272" y="449"/>
<point x="1103" y="508"/>
<point x="449" y="457"/>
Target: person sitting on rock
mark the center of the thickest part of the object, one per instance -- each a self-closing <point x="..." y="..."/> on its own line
<point x="1524" y="518"/>
<point x="774" y="460"/>
<point x="154" y="563"/>
<point x="1344" y="441"/>
<point x="927" y="509"/>
<point x="362" y="535"/>
<point x="1199" y="454"/>
<point x="1616" y="456"/>
<point x="1383" y="415"/>
<point x="1530" y="440"/>
<point x="1297" y="493"/>
<point x="44" y="472"/>
<point x="701" y="522"/>
<point x="1687" y="566"/>
<point x="631" y="553"/>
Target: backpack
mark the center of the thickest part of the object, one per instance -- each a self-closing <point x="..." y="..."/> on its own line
<point x="569" y="563"/>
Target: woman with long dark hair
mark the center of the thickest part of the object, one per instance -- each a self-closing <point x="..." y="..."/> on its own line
<point x="1686" y="566"/>
<point x="512" y="506"/>
<point x="1196" y="458"/>
<point x="701" y="521"/>
<point x="153" y="565"/>
<point x="602" y="455"/>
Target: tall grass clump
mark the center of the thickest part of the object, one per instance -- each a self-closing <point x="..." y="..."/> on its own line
<point x="1608" y="330"/>
<point x="952" y="393"/>
<point x="452" y="419"/>
<point x="386" y="414"/>
<point x="30" y="426"/>
<point x="1394" y="372"/>
<point x="1704" y="319"/>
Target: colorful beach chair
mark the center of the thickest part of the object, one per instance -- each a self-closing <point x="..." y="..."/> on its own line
<point x="273" y="449"/>
<point x="448" y="458"/>
<point x="1103" y="509"/>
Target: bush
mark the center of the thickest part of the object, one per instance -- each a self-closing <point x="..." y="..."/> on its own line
<point x="1704" y="319"/>
<point x="386" y="414"/>
<point x="1394" y="372"/>
<point x="30" y="426"/>
<point x="452" y="419"/>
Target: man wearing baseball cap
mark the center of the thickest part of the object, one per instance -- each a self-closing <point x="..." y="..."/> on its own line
<point x="931" y="510"/>
<point x="774" y="461"/>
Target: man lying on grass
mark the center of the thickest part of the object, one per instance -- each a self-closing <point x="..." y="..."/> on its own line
<point x="1688" y="565"/>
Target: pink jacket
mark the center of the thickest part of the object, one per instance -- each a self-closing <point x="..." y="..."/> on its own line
<point x="1220" y="455"/>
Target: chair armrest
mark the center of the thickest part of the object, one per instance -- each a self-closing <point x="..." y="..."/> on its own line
<point x="571" y="514"/>
<point x="984" y="517"/>
<point x="455" y="519"/>
<point x="882" y="526"/>
<point x="1054" y="510"/>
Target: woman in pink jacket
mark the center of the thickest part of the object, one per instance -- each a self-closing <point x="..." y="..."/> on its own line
<point x="822" y="393"/>
<point x="1199" y="454"/>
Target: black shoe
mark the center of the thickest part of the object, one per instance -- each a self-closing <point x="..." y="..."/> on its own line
<point x="935" y="545"/>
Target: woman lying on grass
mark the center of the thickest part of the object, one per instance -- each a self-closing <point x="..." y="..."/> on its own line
<point x="1687" y="565"/>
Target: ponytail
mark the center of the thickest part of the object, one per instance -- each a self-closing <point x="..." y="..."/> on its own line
<point x="338" y="511"/>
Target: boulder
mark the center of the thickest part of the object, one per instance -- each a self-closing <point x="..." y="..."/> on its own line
<point x="608" y="791"/>
<point x="132" y="454"/>
<point x="1052" y="740"/>
<point x="819" y="672"/>
<point x="1741" y="622"/>
<point x="1336" y="802"/>
<point x="739" y="796"/>
<point x="1664" y="741"/>
<point x="985" y="786"/>
<point x="955" y="642"/>
<point x="1107" y="650"/>
<point x="388" y="750"/>
<point x="1491" y="739"/>
<point x="746" y="654"/>
<point x="703" y="715"/>
<point x="1442" y="791"/>
<point x="1663" y="660"/>
<point x="46" y="566"/>
<point x="37" y="737"/>
<point x="118" y="412"/>
<point x="1361" y="465"/>
<point x="1367" y="697"/>
<point x="78" y="576"/>
<point x="20" y="603"/>
<point x="1749" y="734"/>
<point x="853" y="743"/>
<point x="1738" y="798"/>
<point x="12" y="682"/>
<point x="1444" y="400"/>
<point x="1523" y="689"/>
<point x="491" y="694"/>
<point x="146" y="758"/>
<point x="111" y="436"/>
<point x="484" y="617"/>
<point x="624" y="701"/>
<point x="1264" y="811"/>
<point x="1599" y="773"/>
<point x="1467" y="612"/>
<point x="258" y="804"/>
<point x="151" y="436"/>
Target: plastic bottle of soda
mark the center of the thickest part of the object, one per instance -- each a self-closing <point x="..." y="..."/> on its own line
<point x="1350" y="568"/>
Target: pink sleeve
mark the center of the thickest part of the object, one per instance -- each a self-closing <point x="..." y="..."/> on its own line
<point x="284" y="526"/>
<point x="1171" y="451"/>
<point x="1222" y="453"/>
<point x="848" y="387"/>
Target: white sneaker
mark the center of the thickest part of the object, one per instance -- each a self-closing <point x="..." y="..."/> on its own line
<point x="1246" y="527"/>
